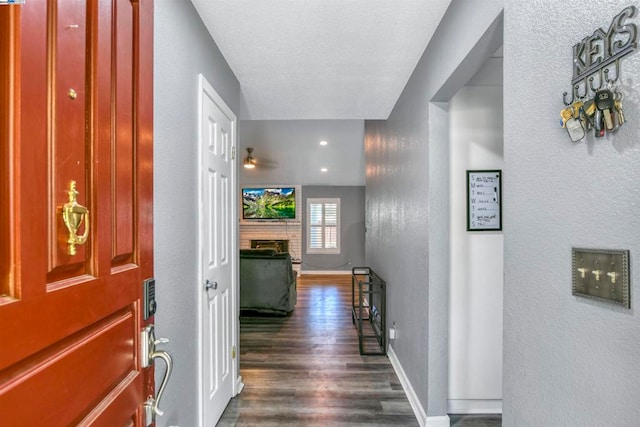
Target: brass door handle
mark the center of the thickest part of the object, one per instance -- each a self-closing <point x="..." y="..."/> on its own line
<point x="73" y="214"/>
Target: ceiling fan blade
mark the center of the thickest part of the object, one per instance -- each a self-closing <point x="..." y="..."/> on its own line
<point x="267" y="164"/>
<point x="260" y="162"/>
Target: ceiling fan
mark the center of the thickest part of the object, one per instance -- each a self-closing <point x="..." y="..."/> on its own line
<point x="251" y="162"/>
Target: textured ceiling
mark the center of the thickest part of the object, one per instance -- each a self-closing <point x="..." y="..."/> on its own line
<point x="321" y="59"/>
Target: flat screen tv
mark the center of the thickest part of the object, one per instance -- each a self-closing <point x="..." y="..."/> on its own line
<point x="277" y="203"/>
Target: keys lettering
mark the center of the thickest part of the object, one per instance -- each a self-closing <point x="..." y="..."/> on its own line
<point x="602" y="48"/>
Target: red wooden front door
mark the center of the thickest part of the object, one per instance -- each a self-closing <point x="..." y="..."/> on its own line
<point x="75" y="105"/>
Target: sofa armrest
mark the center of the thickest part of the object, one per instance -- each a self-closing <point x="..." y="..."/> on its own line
<point x="293" y="291"/>
<point x="267" y="282"/>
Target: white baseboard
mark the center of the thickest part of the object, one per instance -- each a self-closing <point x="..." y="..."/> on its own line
<point x="442" y="421"/>
<point x="418" y="410"/>
<point x="239" y="385"/>
<point x="327" y="272"/>
<point x="474" y="406"/>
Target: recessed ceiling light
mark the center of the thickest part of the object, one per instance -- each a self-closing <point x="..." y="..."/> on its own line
<point x="323" y="142"/>
<point x="324" y="170"/>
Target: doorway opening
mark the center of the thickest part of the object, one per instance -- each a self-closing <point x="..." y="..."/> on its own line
<point x="444" y="392"/>
<point x="475" y="258"/>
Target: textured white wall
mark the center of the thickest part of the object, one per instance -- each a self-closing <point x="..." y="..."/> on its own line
<point x="476" y="260"/>
<point x="568" y="361"/>
<point x="183" y="49"/>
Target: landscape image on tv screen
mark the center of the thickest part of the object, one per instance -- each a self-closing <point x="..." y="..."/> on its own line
<point x="269" y="203"/>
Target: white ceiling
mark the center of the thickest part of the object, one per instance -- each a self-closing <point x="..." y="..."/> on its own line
<point x="288" y="152"/>
<point x="321" y="59"/>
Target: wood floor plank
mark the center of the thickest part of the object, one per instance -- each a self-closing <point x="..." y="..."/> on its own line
<point x="475" y="420"/>
<point x="305" y="369"/>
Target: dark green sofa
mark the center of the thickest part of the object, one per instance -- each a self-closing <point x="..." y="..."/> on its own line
<point x="267" y="281"/>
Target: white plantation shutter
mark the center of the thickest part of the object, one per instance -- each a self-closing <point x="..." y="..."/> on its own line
<point x="315" y="226"/>
<point x="330" y="238"/>
<point x="323" y="226"/>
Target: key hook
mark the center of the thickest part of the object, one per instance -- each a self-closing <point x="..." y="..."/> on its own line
<point x="612" y="82"/>
<point x="586" y="91"/>
<point x="564" y="98"/>
<point x="600" y="82"/>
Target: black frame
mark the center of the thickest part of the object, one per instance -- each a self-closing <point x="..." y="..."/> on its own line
<point x="366" y="284"/>
<point x="471" y="206"/>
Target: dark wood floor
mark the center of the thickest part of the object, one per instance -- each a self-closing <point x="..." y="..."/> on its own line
<point x="475" y="420"/>
<point x="305" y="369"/>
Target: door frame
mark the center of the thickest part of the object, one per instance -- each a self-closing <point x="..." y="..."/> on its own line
<point x="205" y="89"/>
<point x="439" y="196"/>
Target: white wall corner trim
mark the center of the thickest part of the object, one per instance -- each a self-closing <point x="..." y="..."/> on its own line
<point x="474" y="406"/>
<point x="442" y="421"/>
<point x="418" y="410"/>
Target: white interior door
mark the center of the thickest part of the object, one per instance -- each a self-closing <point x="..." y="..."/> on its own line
<point x="218" y="254"/>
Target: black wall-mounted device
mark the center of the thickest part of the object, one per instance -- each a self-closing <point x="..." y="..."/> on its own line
<point x="149" y="298"/>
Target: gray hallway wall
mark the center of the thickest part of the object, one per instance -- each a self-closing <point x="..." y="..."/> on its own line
<point x="568" y="361"/>
<point x="407" y="197"/>
<point x="351" y="229"/>
<point x="183" y="49"/>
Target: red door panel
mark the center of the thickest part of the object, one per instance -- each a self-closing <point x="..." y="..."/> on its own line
<point x="123" y="147"/>
<point x="64" y="105"/>
<point x="6" y="84"/>
<point x="64" y="395"/>
<point x="76" y="111"/>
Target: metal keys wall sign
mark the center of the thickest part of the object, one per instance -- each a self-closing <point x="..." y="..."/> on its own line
<point x="596" y="100"/>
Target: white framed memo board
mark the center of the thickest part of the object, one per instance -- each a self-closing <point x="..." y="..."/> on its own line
<point x="484" y="200"/>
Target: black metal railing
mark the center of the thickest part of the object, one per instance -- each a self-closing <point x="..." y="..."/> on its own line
<point x="369" y="310"/>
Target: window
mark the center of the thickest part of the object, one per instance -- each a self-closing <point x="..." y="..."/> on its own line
<point x="323" y="226"/>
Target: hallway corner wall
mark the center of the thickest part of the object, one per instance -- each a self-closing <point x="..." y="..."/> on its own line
<point x="403" y="198"/>
<point x="183" y="50"/>
<point x="568" y="361"/>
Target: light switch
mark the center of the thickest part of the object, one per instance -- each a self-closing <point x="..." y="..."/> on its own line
<point x="601" y="274"/>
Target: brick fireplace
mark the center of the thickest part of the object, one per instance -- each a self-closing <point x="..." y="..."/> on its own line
<point x="278" y="245"/>
<point x="290" y="232"/>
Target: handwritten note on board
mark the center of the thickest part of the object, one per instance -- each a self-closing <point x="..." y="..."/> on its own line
<point x="484" y="200"/>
